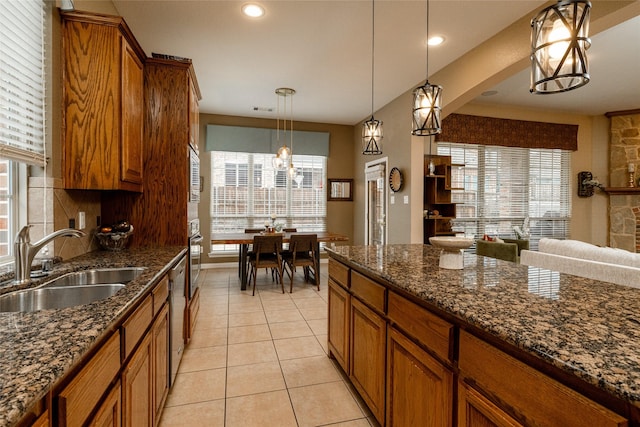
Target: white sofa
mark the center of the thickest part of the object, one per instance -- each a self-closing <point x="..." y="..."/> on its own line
<point x="586" y="260"/>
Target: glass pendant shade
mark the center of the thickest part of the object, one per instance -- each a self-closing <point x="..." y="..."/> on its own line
<point x="284" y="152"/>
<point x="277" y="163"/>
<point x="427" y="106"/>
<point x="372" y="137"/>
<point x="559" y="43"/>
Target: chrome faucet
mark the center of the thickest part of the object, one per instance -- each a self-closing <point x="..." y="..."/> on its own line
<point x="24" y="251"/>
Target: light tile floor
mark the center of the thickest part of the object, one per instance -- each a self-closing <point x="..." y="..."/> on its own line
<point x="261" y="360"/>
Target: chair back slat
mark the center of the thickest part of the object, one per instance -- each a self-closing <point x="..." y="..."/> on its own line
<point x="267" y="244"/>
<point x="300" y="243"/>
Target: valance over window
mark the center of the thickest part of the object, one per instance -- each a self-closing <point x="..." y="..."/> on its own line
<point x="261" y="140"/>
<point x="466" y="129"/>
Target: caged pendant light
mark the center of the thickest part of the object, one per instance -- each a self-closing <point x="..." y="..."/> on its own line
<point x="372" y="128"/>
<point x="282" y="159"/>
<point x="559" y="43"/>
<point x="427" y="103"/>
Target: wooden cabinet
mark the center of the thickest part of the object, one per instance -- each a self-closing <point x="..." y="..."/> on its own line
<point x="110" y="412"/>
<point x="367" y="353"/>
<point x="161" y="361"/>
<point x="419" y="388"/>
<point x="103" y="104"/>
<point x="192" y="313"/>
<point x="42" y="420"/>
<point x="137" y="387"/>
<point x="495" y="386"/>
<point x="439" y="210"/>
<point x="338" y="327"/>
<point x="194" y="114"/>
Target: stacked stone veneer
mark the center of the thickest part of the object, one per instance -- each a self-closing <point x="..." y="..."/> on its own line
<point x="624" y="210"/>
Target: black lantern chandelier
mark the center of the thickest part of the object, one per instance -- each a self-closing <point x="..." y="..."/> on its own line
<point x="372" y="128"/>
<point x="427" y="102"/>
<point x="559" y="43"/>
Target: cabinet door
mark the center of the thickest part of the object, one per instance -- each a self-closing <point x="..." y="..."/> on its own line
<point x="132" y="109"/>
<point x="367" y="356"/>
<point x="161" y="358"/>
<point x="474" y="410"/>
<point x="137" y="387"/>
<point x="110" y="412"/>
<point x="194" y="117"/>
<point x="419" y="388"/>
<point x="338" y="328"/>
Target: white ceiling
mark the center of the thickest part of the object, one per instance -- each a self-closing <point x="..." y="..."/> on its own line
<point x="322" y="49"/>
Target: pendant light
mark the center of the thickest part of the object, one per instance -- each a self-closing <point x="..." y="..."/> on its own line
<point x="427" y="103"/>
<point x="559" y="43"/>
<point x="372" y="128"/>
<point x="282" y="158"/>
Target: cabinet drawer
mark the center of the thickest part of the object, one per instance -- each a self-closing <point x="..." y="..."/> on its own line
<point x="79" y="398"/>
<point x="339" y="272"/>
<point x="160" y="294"/>
<point x="531" y="395"/>
<point x="368" y="291"/>
<point x="430" y="330"/>
<point x="134" y="327"/>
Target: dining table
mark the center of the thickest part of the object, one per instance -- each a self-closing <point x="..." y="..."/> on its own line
<point x="246" y="239"/>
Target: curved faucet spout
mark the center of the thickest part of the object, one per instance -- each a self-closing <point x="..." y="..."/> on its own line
<point x="25" y="252"/>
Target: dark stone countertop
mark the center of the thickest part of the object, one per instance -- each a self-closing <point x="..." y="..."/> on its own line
<point x="39" y="348"/>
<point x="587" y="328"/>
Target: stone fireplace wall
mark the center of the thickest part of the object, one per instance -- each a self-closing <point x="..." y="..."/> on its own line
<point x="624" y="209"/>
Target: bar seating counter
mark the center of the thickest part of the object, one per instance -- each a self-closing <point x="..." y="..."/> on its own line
<point x="578" y="336"/>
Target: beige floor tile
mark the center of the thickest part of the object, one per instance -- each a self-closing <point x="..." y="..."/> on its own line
<point x="318" y="326"/>
<point x="322" y="339"/>
<point x="292" y="348"/>
<point x="251" y="333"/>
<point x="209" y="414"/>
<point x="254" y="379"/>
<point x="273" y="304"/>
<point x="312" y="302"/>
<point x="201" y="386"/>
<point x="209" y="307"/>
<point x="300" y="292"/>
<point x="246" y="319"/>
<point x="242" y="297"/>
<point x="251" y="353"/>
<point x="245" y="307"/>
<point x="283" y="316"/>
<point x="362" y="422"/>
<point x="208" y="337"/>
<point x="218" y="299"/>
<point x="274" y="293"/>
<point x="200" y="359"/>
<point x="308" y="371"/>
<point x="210" y="291"/>
<point x="271" y="409"/>
<point x="310" y="404"/>
<point x="290" y="329"/>
<point x="314" y="313"/>
<point x="208" y="321"/>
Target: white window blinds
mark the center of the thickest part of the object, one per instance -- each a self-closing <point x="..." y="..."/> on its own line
<point x="505" y="185"/>
<point x="22" y="90"/>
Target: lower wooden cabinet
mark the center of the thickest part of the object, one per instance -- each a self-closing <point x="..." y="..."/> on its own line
<point x="338" y="327"/>
<point x="367" y="356"/>
<point x="110" y="412"/>
<point x="475" y="410"/>
<point x="137" y="387"/>
<point x="419" y="388"/>
<point x="161" y="361"/>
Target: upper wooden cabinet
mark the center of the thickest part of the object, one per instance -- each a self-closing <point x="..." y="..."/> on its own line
<point x="103" y="103"/>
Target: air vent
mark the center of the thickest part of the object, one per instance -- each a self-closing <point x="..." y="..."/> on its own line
<point x="265" y="109"/>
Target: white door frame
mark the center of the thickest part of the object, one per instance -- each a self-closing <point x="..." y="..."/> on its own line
<point x="384" y="161"/>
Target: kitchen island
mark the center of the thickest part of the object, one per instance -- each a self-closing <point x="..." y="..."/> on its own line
<point x="40" y="349"/>
<point x="499" y="342"/>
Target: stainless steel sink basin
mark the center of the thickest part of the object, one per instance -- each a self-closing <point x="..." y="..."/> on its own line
<point x="82" y="287"/>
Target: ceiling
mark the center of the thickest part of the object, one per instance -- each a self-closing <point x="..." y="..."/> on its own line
<point x="322" y="49"/>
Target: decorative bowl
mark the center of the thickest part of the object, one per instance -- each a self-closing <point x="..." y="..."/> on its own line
<point x="451" y="243"/>
<point x="114" y="241"/>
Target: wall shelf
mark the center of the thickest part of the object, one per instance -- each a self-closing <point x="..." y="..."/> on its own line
<point x="620" y="191"/>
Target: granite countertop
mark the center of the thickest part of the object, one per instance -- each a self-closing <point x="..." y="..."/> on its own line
<point x="38" y="348"/>
<point x="588" y="328"/>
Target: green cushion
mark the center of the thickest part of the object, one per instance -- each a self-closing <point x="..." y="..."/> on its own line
<point x="506" y="251"/>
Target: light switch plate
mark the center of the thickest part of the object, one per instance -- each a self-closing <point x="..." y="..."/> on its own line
<point x="81" y="221"/>
<point x="393" y="200"/>
<point x="406" y="200"/>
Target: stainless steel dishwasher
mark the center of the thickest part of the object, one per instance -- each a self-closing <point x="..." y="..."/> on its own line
<point x="177" y="278"/>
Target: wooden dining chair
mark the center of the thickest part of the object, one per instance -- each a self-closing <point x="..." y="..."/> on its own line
<point x="301" y="253"/>
<point x="266" y="254"/>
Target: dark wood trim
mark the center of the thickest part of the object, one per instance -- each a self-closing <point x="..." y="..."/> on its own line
<point x="622" y="113"/>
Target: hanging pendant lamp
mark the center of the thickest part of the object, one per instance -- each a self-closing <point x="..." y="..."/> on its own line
<point x="559" y="43"/>
<point x="372" y="128"/>
<point x="283" y="156"/>
<point x="427" y="103"/>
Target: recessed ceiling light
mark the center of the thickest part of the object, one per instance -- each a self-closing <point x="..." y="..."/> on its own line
<point x="489" y="93"/>
<point x="253" y="10"/>
<point x="435" y="40"/>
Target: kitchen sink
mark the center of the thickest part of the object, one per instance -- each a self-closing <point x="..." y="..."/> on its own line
<point x="82" y="287"/>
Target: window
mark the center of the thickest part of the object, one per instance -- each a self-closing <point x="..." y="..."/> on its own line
<point x="505" y="185"/>
<point x="22" y="105"/>
<point x="238" y="203"/>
